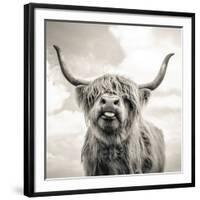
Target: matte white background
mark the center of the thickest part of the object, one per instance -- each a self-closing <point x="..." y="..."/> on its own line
<point x="11" y="104"/>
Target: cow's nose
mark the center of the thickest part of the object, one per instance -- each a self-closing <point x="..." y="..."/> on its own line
<point x="110" y="100"/>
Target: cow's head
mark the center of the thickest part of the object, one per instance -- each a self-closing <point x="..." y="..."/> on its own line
<point x="112" y="102"/>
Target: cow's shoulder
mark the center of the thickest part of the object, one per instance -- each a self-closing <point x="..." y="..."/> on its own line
<point x="153" y="149"/>
<point x="150" y="130"/>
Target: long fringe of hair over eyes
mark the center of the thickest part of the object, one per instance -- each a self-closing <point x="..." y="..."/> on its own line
<point x="113" y="84"/>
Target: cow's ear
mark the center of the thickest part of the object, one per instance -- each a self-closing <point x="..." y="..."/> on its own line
<point x="144" y="95"/>
<point x="80" y="94"/>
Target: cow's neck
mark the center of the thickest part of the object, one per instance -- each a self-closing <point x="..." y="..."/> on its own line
<point x="113" y="157"/>
<point x="109" y="139"/>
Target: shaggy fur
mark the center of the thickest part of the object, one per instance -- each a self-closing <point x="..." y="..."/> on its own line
<point x="135" y="146"/>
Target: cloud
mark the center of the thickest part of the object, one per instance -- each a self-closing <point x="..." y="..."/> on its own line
<point x="66" y="122"/>
<point x="56" y="96"/>
<point x="145" y="49"/>
<point x="64" y="156"/>
<point x="82" y="46"/>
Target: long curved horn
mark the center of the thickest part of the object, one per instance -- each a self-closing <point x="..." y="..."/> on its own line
<point x="74" y="81"/>
<point x="160" y="76"/>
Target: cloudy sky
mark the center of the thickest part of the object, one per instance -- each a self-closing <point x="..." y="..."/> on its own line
<point x="91" y="50"/>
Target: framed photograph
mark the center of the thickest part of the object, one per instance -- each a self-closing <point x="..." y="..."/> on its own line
<point x="108" y="99"/>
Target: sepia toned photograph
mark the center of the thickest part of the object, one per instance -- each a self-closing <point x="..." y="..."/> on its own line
<point x="114" y="99"/>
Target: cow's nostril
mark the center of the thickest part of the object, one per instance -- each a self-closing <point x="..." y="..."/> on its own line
<point x="103" y="101"/>
<point x="116" y="102"/>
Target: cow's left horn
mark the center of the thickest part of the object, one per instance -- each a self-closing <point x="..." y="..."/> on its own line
<point x="160" y="76"/>
<point x="74" y="81"/>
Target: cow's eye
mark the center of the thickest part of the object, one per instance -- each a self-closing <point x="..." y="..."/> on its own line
<point x="129" y="104"/>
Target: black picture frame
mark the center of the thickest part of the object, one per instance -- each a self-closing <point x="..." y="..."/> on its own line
<point x="29" y="97"/>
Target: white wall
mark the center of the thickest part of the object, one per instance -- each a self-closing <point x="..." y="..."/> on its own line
<point x="11" y="101"/>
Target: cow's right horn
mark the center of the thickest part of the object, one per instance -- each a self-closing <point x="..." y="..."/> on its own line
<point x="74" y="81"/>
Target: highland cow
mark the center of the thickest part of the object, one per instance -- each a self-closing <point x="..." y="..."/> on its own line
<point x="118" y="139"/>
